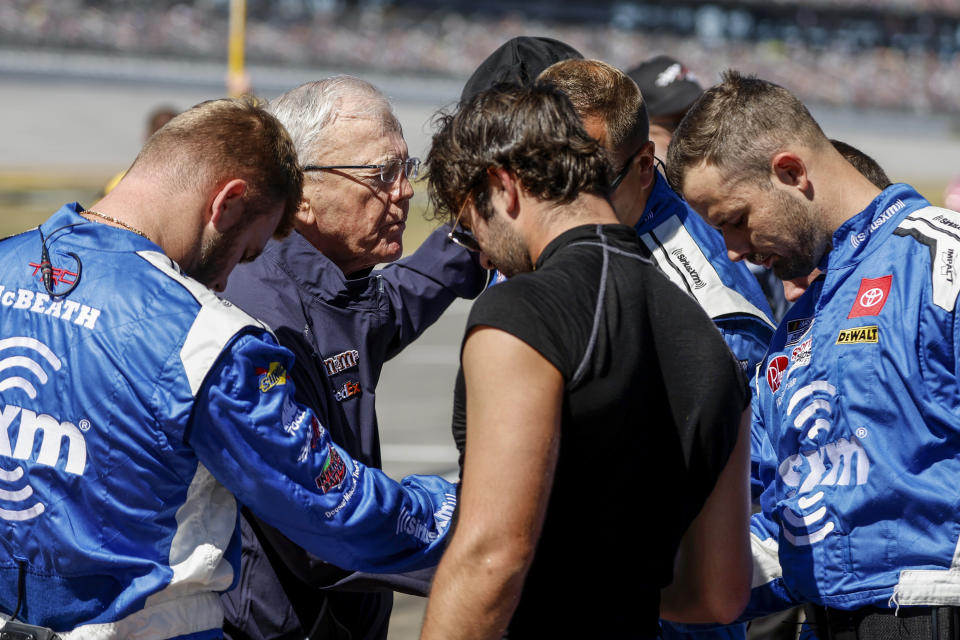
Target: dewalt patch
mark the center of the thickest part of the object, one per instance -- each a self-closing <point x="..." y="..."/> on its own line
<point x="859" y="335"/>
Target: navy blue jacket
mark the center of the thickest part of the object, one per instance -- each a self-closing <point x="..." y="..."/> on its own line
<point x="341" y="330"/>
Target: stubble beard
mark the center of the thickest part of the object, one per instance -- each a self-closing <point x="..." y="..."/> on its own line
<point x="809" y="244"/>
<point x="214" y="254"/>
<point x="506" y="251"/>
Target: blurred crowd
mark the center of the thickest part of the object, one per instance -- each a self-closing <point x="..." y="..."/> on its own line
<point x="362" y="36"/>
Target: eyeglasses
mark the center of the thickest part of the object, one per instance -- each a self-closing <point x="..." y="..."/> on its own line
<point x="623" y="172"/>
<point x="461" y="236"/>
<point x="389" y="171"/>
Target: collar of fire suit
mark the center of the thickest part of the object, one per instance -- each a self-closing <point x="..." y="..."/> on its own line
<point x="862" y="234"/>
<point x="662" y="203"/>
<point x="91" y="234"/>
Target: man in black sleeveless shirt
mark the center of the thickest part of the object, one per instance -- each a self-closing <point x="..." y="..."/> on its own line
<point x="605" y="427"/>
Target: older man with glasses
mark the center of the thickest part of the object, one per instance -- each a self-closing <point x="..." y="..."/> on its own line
<point x="319" y="292"/>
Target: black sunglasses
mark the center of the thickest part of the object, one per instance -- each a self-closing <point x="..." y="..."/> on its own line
<point x="461" y="236"/>
<point x="623" y="172"/>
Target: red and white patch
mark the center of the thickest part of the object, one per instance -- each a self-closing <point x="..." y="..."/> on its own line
<point x="802" y="352"/>
<point x="775" y="371"/>
<point x="872" y="296"/>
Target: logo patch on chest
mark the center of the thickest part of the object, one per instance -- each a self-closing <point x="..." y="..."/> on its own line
<point x="775" y="372"/>
<point x="796" y="329"/>
<point x="859" y="335"/>
<point x="872" y="296"/>
<point x="341" y="362"/>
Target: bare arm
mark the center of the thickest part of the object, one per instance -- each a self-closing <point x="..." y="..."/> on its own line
<point x="712" y="572"/>
<point x="514" y="398"/>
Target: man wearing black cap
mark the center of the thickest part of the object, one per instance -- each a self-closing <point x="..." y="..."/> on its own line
<point x="668" y="88"/>
<point x="517" y="61"/>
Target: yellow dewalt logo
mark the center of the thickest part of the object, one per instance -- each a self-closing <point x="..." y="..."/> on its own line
<point x="859" y="335"/>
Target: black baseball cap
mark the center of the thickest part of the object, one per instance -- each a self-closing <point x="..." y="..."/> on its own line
<point x="667" y="86"/>
<point x="518" y="61"/>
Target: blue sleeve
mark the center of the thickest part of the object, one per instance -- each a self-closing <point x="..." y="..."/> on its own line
<point x="277" y="458"/>
<point x="769" y="593"/>
<point x="421" y="286"/>
<point x="748" y="338"/>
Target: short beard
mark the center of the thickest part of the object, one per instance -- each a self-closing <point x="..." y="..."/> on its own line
<point x="214" y="255"/>
<point x="810" y="241"/>
<point x="505" y="249"/>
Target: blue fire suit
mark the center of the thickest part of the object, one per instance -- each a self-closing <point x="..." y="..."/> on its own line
<point x="342" y="330"/>
<point x="692" y="254"/>
<point x="859" y="396"/>
<point x="133" y="410"/>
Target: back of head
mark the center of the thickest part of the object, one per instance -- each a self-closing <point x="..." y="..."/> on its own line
<point x="532" y="132"/>
<point x="518" y="62"/>
<point x="863" y="163"/>
<point x="158" y="117"/>
<point x="310" y="111"/>
<point x="600" y="91"/>
<point x="219" y="140"/>
<point x="667" y="86"/>
<point x="738" y="126"/>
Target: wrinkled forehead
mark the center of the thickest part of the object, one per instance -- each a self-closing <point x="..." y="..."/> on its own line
<point x="360" y="140"/>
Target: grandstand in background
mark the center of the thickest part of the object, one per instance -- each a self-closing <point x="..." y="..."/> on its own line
<point x="889" y="54"/>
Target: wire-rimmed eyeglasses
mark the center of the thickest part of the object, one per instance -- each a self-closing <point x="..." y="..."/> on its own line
<point x="389" y="171"/>
<point x="461" y="236"/>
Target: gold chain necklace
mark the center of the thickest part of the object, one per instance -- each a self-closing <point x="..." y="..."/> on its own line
<point x="115" y="221"/>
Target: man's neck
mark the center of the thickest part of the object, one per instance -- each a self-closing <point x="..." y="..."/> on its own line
<point x="552" y="220"/>
<point x="847" y="191"/>
<point x="164" y="220"/>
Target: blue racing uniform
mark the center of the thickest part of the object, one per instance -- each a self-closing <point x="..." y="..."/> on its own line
<point x="133" y="410"/>
<point x="693" y="256"/>
<point x="860" y="399"/>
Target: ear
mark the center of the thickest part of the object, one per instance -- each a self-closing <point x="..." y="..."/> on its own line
<point x="227" y="207"/>
<point x="644" y="164"/>
<point x="504" y="186"/>
<point x="789" y="170"/>
<point x="305" y="215"/>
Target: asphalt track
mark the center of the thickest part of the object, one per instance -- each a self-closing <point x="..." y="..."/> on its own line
<point x="63" y="116"/>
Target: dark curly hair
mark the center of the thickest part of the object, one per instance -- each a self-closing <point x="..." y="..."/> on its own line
<point x="532" y="132"/>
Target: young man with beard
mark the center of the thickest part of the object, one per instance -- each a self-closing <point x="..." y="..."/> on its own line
<point x="139" y="409"/>
<point x="858" y="393"/>
<point x="591" y="380"/>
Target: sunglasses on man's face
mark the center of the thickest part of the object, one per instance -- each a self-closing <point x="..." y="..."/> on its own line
<point x="460" y="236"/>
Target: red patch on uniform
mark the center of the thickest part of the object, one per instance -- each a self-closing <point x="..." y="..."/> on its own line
<point x="775" y="371"/>
<point x="872" y="296"/>
<point x="333" y="471"/>
<point x="59" y="276"/>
